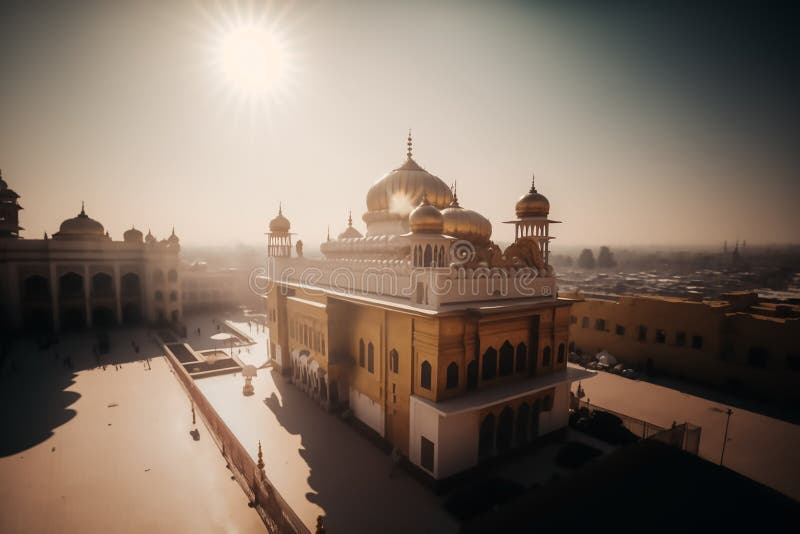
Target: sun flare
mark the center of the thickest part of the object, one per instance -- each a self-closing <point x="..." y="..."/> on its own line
<point x="251" y="59"/>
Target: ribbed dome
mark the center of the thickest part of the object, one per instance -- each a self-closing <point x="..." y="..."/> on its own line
<point x="81" y="227"/>
<point x="280" y="224"/>
<point x="132" y="236"/>
<point x="466" y="224"/>
<point x="533" y="204"/>
<point x="403" y="188"/>
<point x="426" y="218"/>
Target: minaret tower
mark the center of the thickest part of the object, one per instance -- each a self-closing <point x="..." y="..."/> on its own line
<point x="9" y="211"/>
<point x="532" y="220"/>
<point x="279" y="240"/>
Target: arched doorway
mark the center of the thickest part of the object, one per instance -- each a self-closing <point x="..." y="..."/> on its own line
<point x="486" y="437"/>
<point x="523" y="423"/>
<point x="38" y="320"/>
<point x="130" y="285"/>
<point x="36" y="289"/>
<point x="72" y="318"/>
<point x="489" y="368"/>
<point x="102" y="285"/>
<point x="505" y="429"/>
<point x="102" y="317"/>
<point x="70" y="285"/>
<point x="131" y="314"/>
<point x="537" y="408"/>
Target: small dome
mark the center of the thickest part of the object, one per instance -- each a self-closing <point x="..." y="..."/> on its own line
<point x="81" y="227"/>
<point x="150" y="238"/>
<point x="280" y="224"/>
<point x="350" y="231"/>
<point x="132" y="236"/>
<point x="426" y="218"/>
<point x="466" y="224"/>
<point x="533" y="204"/>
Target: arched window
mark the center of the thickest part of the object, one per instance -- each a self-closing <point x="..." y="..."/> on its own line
<point x="546" y="357"/>
<point x="425" y="375"/>
<point x="472" y="374"/>
<point x="452" y="376"/>
<point x="370" y="358"/>
<point x="394" y="361"/>
<point x="428" y="256"/>
<point x="173" y="296"/>
<point x="572" y="346"/>
<point x="489" y="368"/>
<point x="159" y="296"/>
<point x="522" y="357"/>
<point x="560" y="353"/>
<point x="158" y="275"/>
<point x="506" y="359"/>
<point x="361" y="359"/>
<point x="172" y="275"/>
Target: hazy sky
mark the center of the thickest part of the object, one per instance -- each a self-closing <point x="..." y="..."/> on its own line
<point x="644" y="125"/>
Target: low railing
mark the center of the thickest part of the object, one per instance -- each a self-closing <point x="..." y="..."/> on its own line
<point x="274" y="511"/>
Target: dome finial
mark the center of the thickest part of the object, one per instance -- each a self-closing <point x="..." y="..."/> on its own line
<point x="329" y="233"/>
<point x="533" y="183"/>
<point x="408" y="153"/>
<point x="454" y="202"/>
<point x="83" y="211"/>
<point x="280" y="208"/>
<point x="350" y="219"/>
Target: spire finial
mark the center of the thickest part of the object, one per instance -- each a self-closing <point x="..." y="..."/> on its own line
<point x="280" y="208"/>
<point x="533" y="183"/>
<point x="260" y="463"/>
<point x="83" y="211"/>
<point x="350" y="219"/>
<point x="454" y="202"/>
<point x="410" y="143"/>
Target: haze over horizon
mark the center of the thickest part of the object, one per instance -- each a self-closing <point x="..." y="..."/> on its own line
<point x="668" y="126"/>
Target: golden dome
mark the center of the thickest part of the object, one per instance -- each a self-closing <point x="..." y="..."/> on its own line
<point x="81" y="227"/>
<point x="401" y="189"/>
<point x="279" y="224"/>
<point x="132" y="236"/>
<point x="533" y="204"/>
<point x="426" y="218"/>
<point x="466" y="224"/>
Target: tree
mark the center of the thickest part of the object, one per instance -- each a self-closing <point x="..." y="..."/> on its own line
<point x="586" y="259"/>
<point x="605" y="258"/>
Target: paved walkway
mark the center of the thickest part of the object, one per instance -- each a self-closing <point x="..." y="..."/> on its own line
<point x="93" y="450"/>
<point x="760" y="447"/>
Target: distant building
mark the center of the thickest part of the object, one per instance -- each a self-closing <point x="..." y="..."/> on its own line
<point x="434" y="337"/>
<point x="738" y="342"/>
<point x="205" y="289"/>
<point x="81" y="277"/>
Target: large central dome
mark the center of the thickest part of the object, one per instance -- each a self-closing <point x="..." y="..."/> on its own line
<point x="400" y="191"/>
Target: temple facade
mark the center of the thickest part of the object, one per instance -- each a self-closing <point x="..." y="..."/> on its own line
<point x="448" y="347"/>
<point x="80" y="277"/>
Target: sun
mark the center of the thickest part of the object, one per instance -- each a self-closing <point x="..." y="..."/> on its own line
<point x="251" y="59"/>
<point x="251" y="49"/>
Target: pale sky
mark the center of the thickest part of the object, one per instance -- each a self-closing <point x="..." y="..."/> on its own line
<point x="673" y="126"/>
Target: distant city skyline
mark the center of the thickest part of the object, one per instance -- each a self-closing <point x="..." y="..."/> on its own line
<point x="645" y="126"/>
